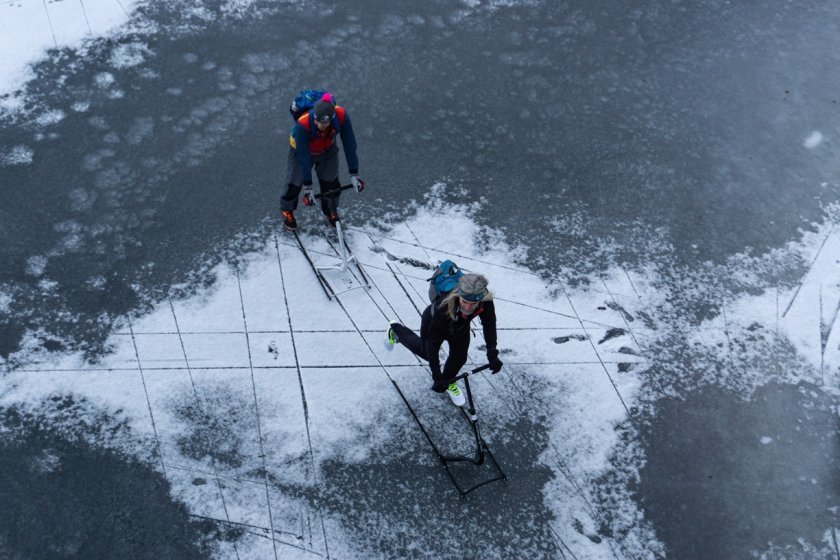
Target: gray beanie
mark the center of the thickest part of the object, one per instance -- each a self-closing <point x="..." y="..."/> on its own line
<point x="324" y="110"/>
<point x="472" y="287"/>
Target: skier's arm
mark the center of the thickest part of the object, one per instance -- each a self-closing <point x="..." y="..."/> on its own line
<point x="488" y="324"/>
<point x="300" y="139"/>
<point x="348" y="140"/>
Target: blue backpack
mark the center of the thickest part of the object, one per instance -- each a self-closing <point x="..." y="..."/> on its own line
<point x="444" y="280"/>
<point x="305" y="101"/>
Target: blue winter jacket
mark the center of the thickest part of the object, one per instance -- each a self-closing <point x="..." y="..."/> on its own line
<point x="307" y="142"/>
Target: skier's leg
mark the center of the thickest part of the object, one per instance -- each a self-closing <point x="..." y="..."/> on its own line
<point x="294" y="180"/>
<point x="408" y="338"/>
<point x="326" y="167"/>
<point x="329" y="203"/>
<point x="290" y="197"/>
<point x="445" y="382"/>
<point x="458" y="353"/>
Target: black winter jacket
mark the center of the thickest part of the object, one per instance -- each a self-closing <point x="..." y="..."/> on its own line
<point x="456" y="333"/>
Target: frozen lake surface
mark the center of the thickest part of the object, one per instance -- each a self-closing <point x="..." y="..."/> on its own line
<point x="651" y="191"/>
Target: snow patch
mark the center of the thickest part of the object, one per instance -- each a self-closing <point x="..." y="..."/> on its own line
<point x="52" y="116"/>
<point x="18" y="155"/>
<point x="197" y="348"/>
<point x="806" y="314"/>
<point x="104" y="79"/>
<point x="129" y="54"/>
<point x="31" y="29"/>
<point x="198" y="345"/>
<point x="814" y="140"/>
<point x="6" y="300"/>
<point x="36" y="265"/>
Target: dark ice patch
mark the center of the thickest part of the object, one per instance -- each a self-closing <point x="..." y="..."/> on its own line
<point x="65" y="496"/>
<point x="565" y="339"/>
<point x="624" y="313"/>
<point x="612" y="333"/>
<point x="724" y="476"/>
<point x="52" y="345"/>
<point x="578" y="525"/>
<point x="390" y="501"/>
<point x="272" y="349"/>
<point x="215" y="427"/>
<point x="11" y="335"/>
<point x="502" y="351"/>
<point x="509" y="519"/>
<point x="416" y="263"/>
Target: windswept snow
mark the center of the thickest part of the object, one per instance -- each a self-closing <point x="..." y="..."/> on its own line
<point x="263" y="383"/>
<point x="277" y="377"/>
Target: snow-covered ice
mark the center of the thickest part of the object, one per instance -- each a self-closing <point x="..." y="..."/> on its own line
<point x="29" y="29"/>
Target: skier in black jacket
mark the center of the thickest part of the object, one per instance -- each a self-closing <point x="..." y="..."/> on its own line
<point x="448" y="319"/>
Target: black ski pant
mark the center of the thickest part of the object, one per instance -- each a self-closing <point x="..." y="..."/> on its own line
<point x="458" y="349"/>
<point x="326" y="169"/>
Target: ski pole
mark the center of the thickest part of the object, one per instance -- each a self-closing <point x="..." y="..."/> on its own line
<point x="473" y="417"/>
<point x="468" y="373"/>
<point x="333" y="192"/>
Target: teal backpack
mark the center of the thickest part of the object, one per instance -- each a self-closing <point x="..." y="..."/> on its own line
<point x="444" y="280"/>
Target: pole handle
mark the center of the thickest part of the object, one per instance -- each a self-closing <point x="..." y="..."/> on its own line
<point x="467" y="374"/>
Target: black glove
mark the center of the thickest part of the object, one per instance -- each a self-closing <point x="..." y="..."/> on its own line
<point x="494" y="361"/>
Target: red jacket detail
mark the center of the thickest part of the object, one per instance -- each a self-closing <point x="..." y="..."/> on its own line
<point x="321" y="139"/>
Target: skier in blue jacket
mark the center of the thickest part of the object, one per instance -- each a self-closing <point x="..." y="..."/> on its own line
<point x="312" y="144"/>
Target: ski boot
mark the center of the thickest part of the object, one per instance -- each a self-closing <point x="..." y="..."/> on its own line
<point x="391" y="337"/>
<point x="289" y="221"/>
<point x="456" y="395"/>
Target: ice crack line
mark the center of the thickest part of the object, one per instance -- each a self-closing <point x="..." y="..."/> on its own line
<point x="813" y="262"/>
<point x="203" y="416"/>
<point x="158" y="449"/>
<point x="256" y="405"/>
<point x="265" y="533"/>
<point x="49" y="21"/>
<point x="302" y="389"/>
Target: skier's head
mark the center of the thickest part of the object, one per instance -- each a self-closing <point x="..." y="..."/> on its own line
<point x="324" y="109"/>
<point x="464" y="299"/>
<point x="472" y="287"/>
